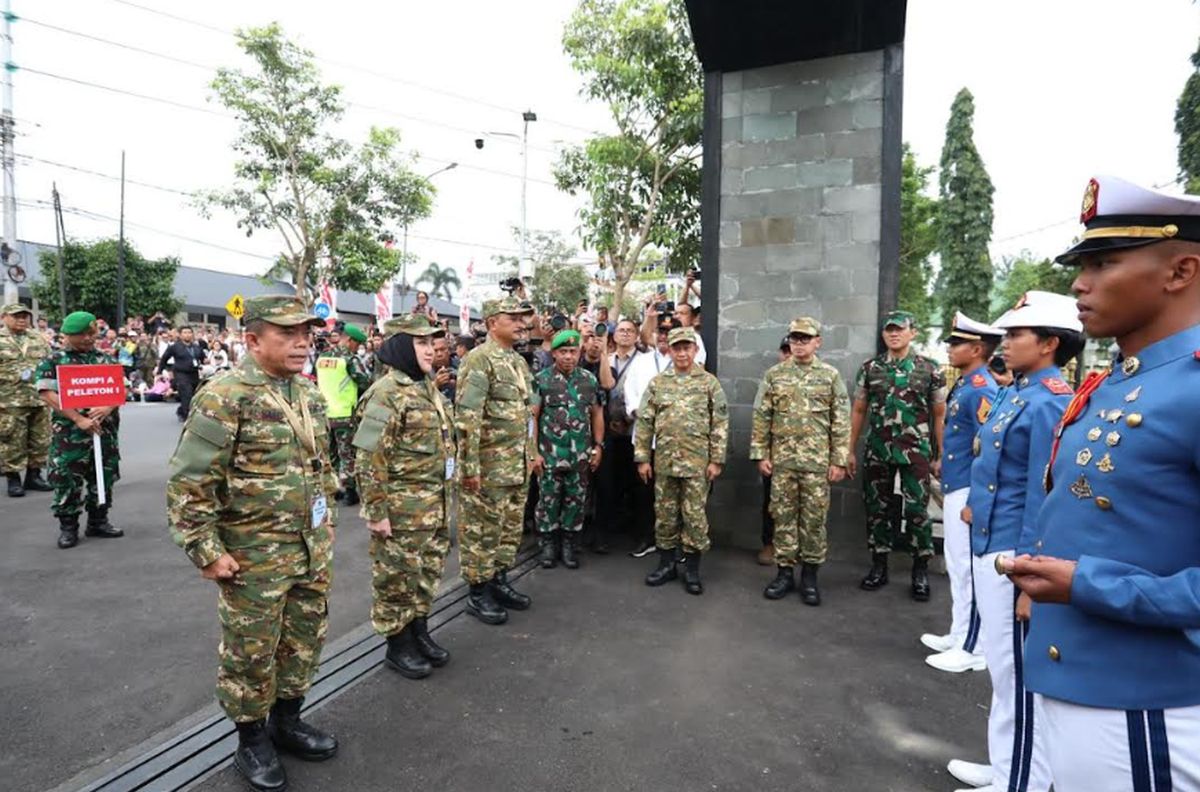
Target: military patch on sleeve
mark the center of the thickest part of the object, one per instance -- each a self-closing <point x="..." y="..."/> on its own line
<point x="375" y="419"/>
<point x="979" y="380"/>
<point x="210" y="429"/>
<point x="1057" y="386"/>
<point x="985" y="407"/>
<point x="474" y="390"/>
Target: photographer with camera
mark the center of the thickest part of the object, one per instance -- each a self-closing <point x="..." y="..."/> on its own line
<point x="657" y="307"/>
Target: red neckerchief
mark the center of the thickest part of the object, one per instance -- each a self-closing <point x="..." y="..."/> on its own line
<point x="1075" y="408"/>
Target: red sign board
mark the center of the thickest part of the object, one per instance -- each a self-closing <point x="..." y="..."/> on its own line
<point x="91" y="386"/>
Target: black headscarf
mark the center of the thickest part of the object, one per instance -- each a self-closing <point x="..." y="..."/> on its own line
<point x="398" y="352"/>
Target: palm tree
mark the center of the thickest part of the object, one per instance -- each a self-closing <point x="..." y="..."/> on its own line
<point x="440" y="279"/>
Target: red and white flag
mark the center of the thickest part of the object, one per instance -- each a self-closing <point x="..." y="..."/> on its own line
<point x="328" y="295"/>
<point x="464" y="300"/>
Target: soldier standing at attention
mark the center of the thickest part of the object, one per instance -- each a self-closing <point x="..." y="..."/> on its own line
<point x="801" y="439"/>
<point x="1112" y="650"/>
<point x="684" y="418"/>
<point x="902" y="397"/>
<point x="569" y="429"/>
<point x="495" y="455"/>
<point x="248" y="501"/>
<point x="342" y="378"/>
<point x="24" y="419"/>
<point x="72" y="463"/>
<point x="405" y="463"/>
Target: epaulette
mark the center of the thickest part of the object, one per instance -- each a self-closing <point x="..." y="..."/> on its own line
<point x="1057" y="386"/>
<point x="979" y="381"/>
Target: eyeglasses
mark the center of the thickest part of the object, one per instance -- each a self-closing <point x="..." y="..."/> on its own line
<point x="800" y="339"/>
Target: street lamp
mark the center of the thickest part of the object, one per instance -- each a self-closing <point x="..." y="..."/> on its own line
<point x="404" y="259"/>
<point x="526" y="116"/>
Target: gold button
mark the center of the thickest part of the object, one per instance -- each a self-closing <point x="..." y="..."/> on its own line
<point x="1134" y="419"/>
<point x="1104" y="503"/>
<point x="1055" y="655"/>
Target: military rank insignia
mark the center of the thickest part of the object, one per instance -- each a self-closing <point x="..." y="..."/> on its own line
<point x="979" y="380"/>
<point x="1091" y="199"/>
<point x="985" y="407"/>
<point x="1057" y="386"/>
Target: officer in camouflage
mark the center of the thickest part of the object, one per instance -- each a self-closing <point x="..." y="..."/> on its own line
<point x="495" y="456"/>
<point x="405" y="448"/>
<point x="569" y="430"/>
<point x="684" y="418"/>
<point x="801" y="439"/>
<point x="249" y="502"/>
<point x="342" y="378"/>
<point x="24" y="419"/>
<point x="904" y="396"/>
<point x="72" y="464"/>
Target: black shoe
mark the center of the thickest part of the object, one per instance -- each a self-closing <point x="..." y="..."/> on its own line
<point x="549" y="553"/>
<point x="340" y="495"/>
<point x="34" y="481"/>
<point x="920" y="579"/>
<point x="181" y="418"/>
<point x="784" y="582"/>
<point x="99" y="526"/>
<point x="643" y="549"/>
<point x="569" y="558"/>
<point x="809" y="593"/>
<point x="302" y="740"/>
<point x="435" y="654"/>
<point x="482" y="606"/>
<point x="68" y="532"/>
<point x="351" y="498"/>
<point x="508" y="596"/>
<point x="256" y="759"/>
<point x="404" y="656"/>
<point x="665" y="570"/>
<point x="878" y="576"/>
<point x="15" y="490"/>
<point x="691" y="573"/>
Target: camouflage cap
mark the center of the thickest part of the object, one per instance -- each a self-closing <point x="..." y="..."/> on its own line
<point x="899" y="319"/>
<point x="505" y="305"/>
<point x="806" y="325"/>
<point x="568" y="338"/>
<point x="278" y="309"/>
<point x="681" y="334"/>
<point x="12" y="309"/>
<point x="78" y="322"/>
<point x="411" y="324"/>
<point x="356" y="333"/>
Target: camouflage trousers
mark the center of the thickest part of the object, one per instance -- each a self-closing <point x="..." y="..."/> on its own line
<point x="799" y="505"/>
<point x="73" y="470"/>
<point x="406" y="567"/>
<point x="341" y="449"/>
<point x="885" y="508"/>
<point x="490" y="522"/>
<point x="24" y="438"/>
<point x="681" y="501"/>
<point x="562" y="502"/>
<point x="273" y="620"/>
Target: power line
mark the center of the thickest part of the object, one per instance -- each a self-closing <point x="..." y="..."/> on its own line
<point x="111" y="43"/>
<point x="109" y="176"/>
<point x="124" y="92"/>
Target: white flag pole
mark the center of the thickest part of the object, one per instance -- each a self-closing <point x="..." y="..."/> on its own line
<point x="98" y="461"/>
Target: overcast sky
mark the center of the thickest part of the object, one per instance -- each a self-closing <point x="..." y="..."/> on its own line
<point x="1063" y="90"/>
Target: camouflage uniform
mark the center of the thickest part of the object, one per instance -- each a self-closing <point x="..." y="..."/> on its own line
<point x="900" y="396"/>
<point x="24" y="418"/>
<point x="404" y="444"/>
<point x="72" y="466"/>
<point x="564" y="441"/>
<point x="492" y="416"/>
<point x="802" y="425"/>
<point x="243" y="482"/>
<point x="341" y="430"/>
<point x="684" y="418"/>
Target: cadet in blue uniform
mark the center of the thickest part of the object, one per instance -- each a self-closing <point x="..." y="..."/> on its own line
<point x="1114" y="645"/>
<point x="1011" y="452"/>
<point x="971" y="345"/>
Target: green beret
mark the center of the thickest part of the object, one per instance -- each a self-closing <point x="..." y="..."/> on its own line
<point x="279" y="309"/>
<point x="355" y="333"/>
<point x="12" y="309"/>
<point x="411" y="324"/>
<point x="568" y="338"/>
<point x="78" y="322"/>
<point x="680" y="335"/>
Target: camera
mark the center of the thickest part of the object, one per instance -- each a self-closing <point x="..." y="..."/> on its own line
<point x="601" y="329"/>
<point x="694" y="273"/>
<point x="666" y="307"/>
<point x="511" y="284"/>
<point x="558" y="322"/>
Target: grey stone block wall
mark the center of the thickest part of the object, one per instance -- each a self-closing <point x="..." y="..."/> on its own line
<point x="800" y="219"/>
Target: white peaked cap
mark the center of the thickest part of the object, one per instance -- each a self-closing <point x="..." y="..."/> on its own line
<point x="1042" y="309"/>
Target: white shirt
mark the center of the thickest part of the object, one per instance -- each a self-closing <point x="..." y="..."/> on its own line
<point x="642" y="369"/>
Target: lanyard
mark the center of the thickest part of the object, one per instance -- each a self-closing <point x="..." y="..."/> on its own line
<point x="436" y="398"/>
<point x="658" y="361"/>
<point x="301" y="423"/>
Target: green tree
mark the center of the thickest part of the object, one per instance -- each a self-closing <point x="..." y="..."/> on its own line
<point x="1018" y="274"/>
<point x="642" y="183"/>
<point x="918" y="239"/>
<point x="1187" y="126"/>
<point x="333" y="205"/>
<point x="559" y="285"/>
<point x="440" y="279"/>
<point x="964" y="226"/>
<point x="90" y="270"/>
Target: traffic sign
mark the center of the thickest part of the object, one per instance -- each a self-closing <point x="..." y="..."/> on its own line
<point x="236" y="306"/>
<point x="321" y="310"/>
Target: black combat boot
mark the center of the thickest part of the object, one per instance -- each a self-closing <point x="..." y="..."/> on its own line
<point x="15" y="490"/>
<point x="691" y="573"/>
<point x="99" y="526"/>
<point x="435" y="654"/>
<point x="569" y="558"/>
<point x="404" y="656"/>
<point x="256" y="759"/>
<point x="506" y="595"/>
<point x="351" y="497"/>
<point x="920" y="578"/>
<point x="784" y="582"/>
<point x="549" y="554"/>
<point x="483" y="606"/>
<point x="300" y="739"/>
<point x="68" y="531"/>
<point x="34" y="481"/>
<point x="665" y="570"/>
<point x="809" y="593"/>
<point x="878" y="576"/>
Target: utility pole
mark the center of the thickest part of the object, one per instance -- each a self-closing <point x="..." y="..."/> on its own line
<point x="523" y="269"/>
<point x="121" y="252"/>
<point x="404" y="246"/>
<point x="60" y="236"/>
<point x="6" y="155"/>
